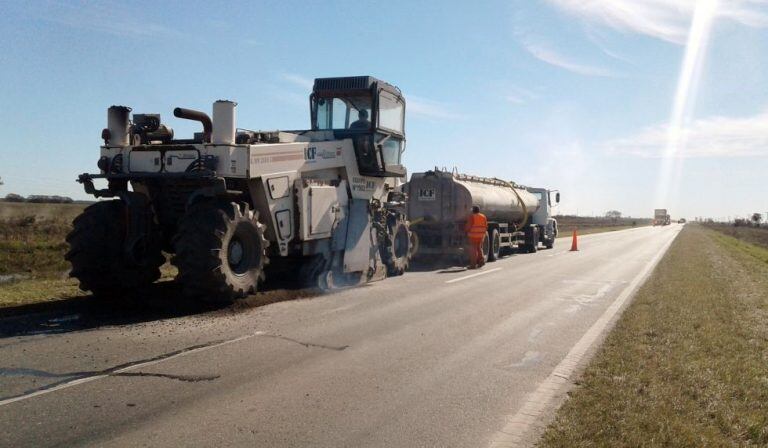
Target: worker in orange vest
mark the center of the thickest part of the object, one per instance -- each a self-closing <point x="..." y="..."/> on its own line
<point x="476" y="228"/>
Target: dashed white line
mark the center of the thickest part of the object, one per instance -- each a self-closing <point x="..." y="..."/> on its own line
<point x="477" y="274"/>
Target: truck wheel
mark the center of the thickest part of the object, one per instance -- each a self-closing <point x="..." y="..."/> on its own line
<point x="220" y="252"/>
<point x="495" y="245"/>
<point x="97" y="253"/>
<point x="550" y="243"/>
<point x="396" y="251"/>
<point x="534" y="245"/>
<point x="486" y="248"/>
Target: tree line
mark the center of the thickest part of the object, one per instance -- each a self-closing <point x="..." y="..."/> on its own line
<point x="38" y="198"/>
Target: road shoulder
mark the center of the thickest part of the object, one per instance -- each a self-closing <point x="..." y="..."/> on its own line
<point x="684" y="366"/>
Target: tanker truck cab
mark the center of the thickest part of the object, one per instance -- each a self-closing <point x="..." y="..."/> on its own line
<point x="368" y="111"/>
<point x="542" y="219"/>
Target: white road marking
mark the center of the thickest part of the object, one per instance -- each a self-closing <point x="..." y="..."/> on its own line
<point x="530" y="414"/>
<point x="126" y="369"/>
<point x="473" y="275"/>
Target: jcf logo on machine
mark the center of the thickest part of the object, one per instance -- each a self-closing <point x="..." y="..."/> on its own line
<point x="311" y="154"/>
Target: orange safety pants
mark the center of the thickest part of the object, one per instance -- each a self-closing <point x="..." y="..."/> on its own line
<point x="476" y="253"/>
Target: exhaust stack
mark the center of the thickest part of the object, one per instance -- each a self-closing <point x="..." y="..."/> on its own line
<point x="189" y="114"/>
<point x="117" y="126"/>
<point x="223" y="122"/>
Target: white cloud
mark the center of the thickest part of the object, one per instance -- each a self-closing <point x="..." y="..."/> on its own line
<point x="425" y="108"/>
<point x="598" y="37"/>
<point x="299" y="81"/>
<point x="517" y="95"/>
<point x="106" y="17"/>
<point x="709" y="137"/>
<point x="668" y="20"/>
<point x="545" y="54"/>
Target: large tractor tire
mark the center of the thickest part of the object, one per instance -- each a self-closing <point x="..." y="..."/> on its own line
<point x="98" y="256"/>
<point x="495" y="245"/>
<point x="220" y="252"/>
<point x="414" y="245"/>
<point x="396" y="251"/>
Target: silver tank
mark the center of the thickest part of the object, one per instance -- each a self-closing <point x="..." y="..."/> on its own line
<point x="448" y="197"/>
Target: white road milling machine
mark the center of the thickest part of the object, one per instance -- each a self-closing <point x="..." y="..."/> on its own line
<point x="232" y="205"/>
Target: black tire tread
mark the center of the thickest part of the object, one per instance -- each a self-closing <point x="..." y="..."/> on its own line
<point x="396" y="265"/>
<point x="97" y="257"/>
<point x="200" y="238"/>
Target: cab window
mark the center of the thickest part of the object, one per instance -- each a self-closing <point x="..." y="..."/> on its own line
<point x="339" y="113"/>
<point x="391" y="111"/>
<point x="390" y="151"/>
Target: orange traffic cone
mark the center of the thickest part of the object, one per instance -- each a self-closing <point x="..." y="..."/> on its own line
<point x="574" y="242"/>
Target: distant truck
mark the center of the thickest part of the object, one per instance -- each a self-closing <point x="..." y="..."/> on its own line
<point x="439" y="203"/>
<point x="661" y="217"/>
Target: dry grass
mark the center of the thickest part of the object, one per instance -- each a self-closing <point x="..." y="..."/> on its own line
<point x="32" y="249"/>
<point x="753" y="235"/>
<point x="33" y="246"/>
<point x="37" y="290"/>
<point x="16" y="210"/>
<point x="32" y="238"/>
<point x="686" y="364"/>
<point x="586" y="225"/>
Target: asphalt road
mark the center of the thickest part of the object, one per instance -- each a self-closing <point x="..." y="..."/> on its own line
<point x="433" y="358"/>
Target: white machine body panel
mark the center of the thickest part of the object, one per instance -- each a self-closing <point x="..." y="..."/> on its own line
<point x="310" y="186"/>
<point x="145" y="162"/>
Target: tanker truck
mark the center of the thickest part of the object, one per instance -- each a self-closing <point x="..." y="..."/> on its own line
<point x="439" y="202"/>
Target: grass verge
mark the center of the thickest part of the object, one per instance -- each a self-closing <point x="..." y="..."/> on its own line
<point x="567" y="231"/>
<point x="586" y="225"/>
<point x="752" y="235"/>
<point x="686" y="363"/>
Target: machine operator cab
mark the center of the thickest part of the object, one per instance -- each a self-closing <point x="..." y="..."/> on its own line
<point x="368" y="111"/>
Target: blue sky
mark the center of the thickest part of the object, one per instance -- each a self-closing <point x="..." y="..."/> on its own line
<point x="559" y="93"/>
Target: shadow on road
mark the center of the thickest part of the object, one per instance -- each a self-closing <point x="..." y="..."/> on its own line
<point x="447" y="265"/>
<point x="159" y="301"/>
<point x="435" y="264"/>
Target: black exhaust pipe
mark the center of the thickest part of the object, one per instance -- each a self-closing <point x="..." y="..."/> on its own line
<point x="189" y="114"/>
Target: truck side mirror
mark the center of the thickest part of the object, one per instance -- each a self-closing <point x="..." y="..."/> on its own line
<point x="557" y="197"/>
